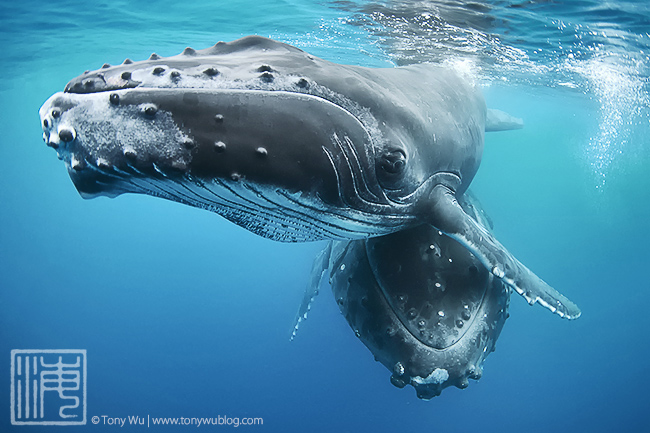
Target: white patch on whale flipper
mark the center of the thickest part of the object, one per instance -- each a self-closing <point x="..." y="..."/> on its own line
<point x="320" y="266"/>
<point x="497" y="120"/>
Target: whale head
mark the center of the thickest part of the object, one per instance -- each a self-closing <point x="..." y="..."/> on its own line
<point x="257" y="128"/>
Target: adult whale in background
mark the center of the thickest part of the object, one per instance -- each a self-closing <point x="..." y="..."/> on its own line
<point x="287" y="145"/>
<point x="419" y="301"/>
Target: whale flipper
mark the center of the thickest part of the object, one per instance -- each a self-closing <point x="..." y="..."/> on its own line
<point x="497" y="120"/>
<point x="319" y="267"/>
<point x="448" y="217"/>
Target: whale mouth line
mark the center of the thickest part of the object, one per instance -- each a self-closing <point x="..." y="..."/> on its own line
<point x="227" y="90"/>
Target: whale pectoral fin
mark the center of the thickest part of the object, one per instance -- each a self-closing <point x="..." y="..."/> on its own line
<point x="497" y="120"/>
<point x="448" y="217"/>
<point x="320" y="265"/>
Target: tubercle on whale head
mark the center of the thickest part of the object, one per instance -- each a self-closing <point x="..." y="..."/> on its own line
<point x="188" y="69"/>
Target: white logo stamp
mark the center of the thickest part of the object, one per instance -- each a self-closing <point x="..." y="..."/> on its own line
<point x="48" y="387"/>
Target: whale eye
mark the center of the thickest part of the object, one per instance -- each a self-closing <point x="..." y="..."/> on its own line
<point x="392" y="168"/>
<point x="393" y="161"/>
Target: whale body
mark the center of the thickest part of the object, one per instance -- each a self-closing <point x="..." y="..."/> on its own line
<point x="287" y="145"/>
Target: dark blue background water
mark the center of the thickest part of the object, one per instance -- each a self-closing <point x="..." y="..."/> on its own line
<point x="185" y="314"/>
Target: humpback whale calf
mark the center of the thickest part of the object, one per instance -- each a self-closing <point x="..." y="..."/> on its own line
<point x="287" y="145"/>
<point x="419" y="301"/>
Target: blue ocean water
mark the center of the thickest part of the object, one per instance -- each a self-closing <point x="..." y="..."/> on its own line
<point x="183" y="314"/>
